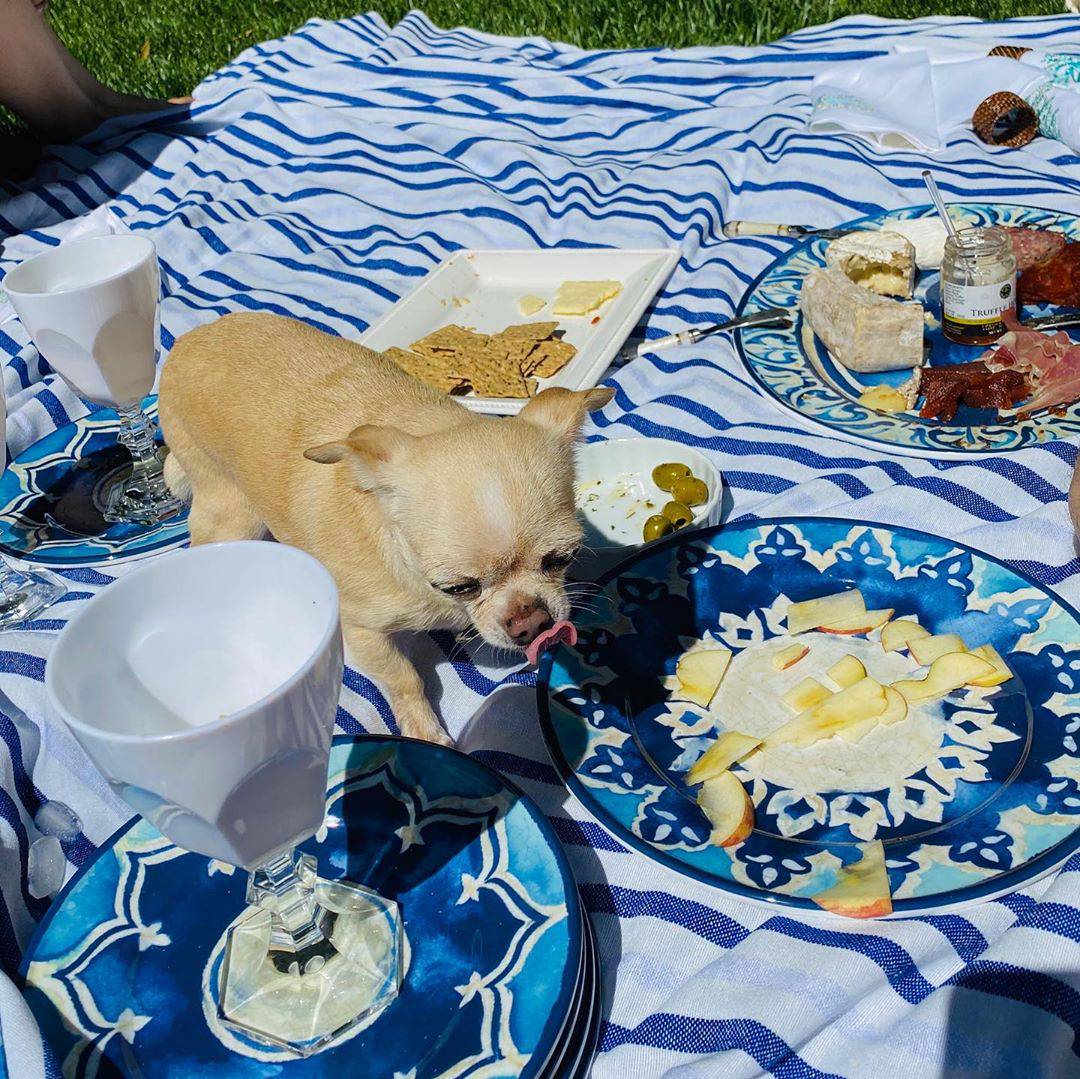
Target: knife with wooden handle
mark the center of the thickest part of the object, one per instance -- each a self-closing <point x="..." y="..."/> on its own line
<point x="736" y="229"/>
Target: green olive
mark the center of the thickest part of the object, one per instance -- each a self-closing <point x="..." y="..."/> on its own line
<point x="665" y="476"/>
<point x="655" y="527"/>
<point x="690" y="491"/>
<point x="679" y="514"/>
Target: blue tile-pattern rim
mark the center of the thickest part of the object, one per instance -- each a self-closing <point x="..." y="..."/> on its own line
<point x="795" y="371"/>
<point x="54" y="463"/>
<point x="1033" y="605"/>
<point x="536" y="852"/>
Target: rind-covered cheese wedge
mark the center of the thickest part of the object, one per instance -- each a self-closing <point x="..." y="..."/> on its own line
<point x="863" y="331"/>
<point x="883" y="262"/>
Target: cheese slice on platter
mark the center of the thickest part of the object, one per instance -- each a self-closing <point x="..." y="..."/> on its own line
<point x="582" y="297"/>
<point x="927" y="234"/>
<point x="883" y="262"/>
<point x="863" y="331"/>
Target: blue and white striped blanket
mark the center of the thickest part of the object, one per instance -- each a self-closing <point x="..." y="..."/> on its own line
<point x="322" y="176"/>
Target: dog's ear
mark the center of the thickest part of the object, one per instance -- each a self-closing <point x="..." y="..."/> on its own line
<point x="369" y="450"/>
<point x="562" y="411"/>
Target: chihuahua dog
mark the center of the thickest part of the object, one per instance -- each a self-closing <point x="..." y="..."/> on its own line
<point x="427" y="515"/>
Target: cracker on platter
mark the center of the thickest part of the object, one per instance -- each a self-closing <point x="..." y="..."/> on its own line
<point x="509" y="363"/>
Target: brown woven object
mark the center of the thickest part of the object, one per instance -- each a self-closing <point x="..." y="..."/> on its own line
<point x="1005" y="119"/>
<point x="1012" y="52"/>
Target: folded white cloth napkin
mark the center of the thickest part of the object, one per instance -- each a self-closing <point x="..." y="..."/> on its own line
<point x="923" y="92"/>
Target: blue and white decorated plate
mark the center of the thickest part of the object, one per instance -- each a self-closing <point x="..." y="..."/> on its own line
<point x="795" y="370"/>
<point x="50" y="505"/>
<point x="125" y="965"/>
<point x="973" y="795"/>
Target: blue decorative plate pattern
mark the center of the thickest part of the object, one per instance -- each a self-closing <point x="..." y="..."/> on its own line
<point x="126" y="965"/>
<point x="796" y="371"/>
<point x="973" y="795"/>
<point x="49" y="509"/>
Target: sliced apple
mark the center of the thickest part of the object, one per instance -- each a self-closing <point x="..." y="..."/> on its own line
<point x="895" y="636"/>
<point x="805" y="695"/>
<point x="925" y="650"/>
<point x="862" y="701"/>
<point x="862" y="888"/>
<point x="1001" y="671"/>
<point x="725" y="802"/>
<point x="895" y="710"/>
<point x="866" y="622"/>
<point x="720" y="756"/>
<point x="847" y="671"/>
<point x="788" y="657"/>
<point x="700" y="674"/>
<point x="811" y="613"/>
<point x="948" y="672"/>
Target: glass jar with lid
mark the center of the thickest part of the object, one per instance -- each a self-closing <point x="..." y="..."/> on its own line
<point x="978" y="285"/>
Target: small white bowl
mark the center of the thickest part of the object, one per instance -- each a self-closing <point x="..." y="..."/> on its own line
<point x="615" y="495"/>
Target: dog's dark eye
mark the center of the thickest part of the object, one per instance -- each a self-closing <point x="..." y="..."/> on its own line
<point x="556" y="560"/>
<point x="461" y="588"/>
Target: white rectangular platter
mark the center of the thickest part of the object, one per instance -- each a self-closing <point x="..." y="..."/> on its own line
<point x="480" y="290"/>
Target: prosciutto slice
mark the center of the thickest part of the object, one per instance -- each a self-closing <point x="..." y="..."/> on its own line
<point x="1050" y="362"/>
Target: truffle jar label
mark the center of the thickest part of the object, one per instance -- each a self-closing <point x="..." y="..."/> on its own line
<point x="972" y="313"/>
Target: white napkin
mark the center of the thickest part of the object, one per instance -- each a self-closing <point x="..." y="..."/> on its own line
<point x="920" y="95"/>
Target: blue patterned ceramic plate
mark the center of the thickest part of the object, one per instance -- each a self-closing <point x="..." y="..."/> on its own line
<point x="973" y="795"/>
<point x="50" y="512"/>
<point x="126" y="964"/>
<point x="795" y="370"/>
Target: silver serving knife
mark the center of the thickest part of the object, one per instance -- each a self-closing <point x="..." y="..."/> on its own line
<point x="736" y="229"/>
<point x="774" y="317"/>
<point x="1052" y="322"/>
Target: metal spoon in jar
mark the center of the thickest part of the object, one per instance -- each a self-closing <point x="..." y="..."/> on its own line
<point x="772" y="318"/>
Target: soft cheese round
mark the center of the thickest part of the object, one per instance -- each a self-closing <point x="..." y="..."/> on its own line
<point x="927" y="235"/>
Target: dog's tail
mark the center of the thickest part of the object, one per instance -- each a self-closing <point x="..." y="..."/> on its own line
<point x="176" y="478"/>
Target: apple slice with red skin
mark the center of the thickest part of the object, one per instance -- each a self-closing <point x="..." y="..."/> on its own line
<point x="811" y="613"/>
<point x="700" y="674"/>
<point x="1001" y="673"/>
<point x="864" y="700"/>
<point x="788" y="657"/>
<point x="862" y="888"/>
<point x="723" y="799"/>
<point x="896" y="636"/>
<point x="896" y="709"/>
<point x="924" y="650"/>
<point x="730" y="747"/>
<point x="805" y="694"/>
<point x="847" y="671"/>
<point x="866" y="622"/>
<point x="948" y="672"/>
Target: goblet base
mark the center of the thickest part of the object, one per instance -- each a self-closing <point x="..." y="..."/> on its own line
<point x="302" y="996"/>
<point x="138" y="495"/>
<point x="23" y="595"/>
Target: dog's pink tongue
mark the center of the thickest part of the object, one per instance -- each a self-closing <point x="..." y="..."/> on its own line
<point x="561" y="631"/>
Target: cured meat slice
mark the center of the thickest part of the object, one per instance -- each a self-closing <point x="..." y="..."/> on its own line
<point x="974" y="384"/>
<point x="1032" y="246"/>
<point x="1057" y="280"/>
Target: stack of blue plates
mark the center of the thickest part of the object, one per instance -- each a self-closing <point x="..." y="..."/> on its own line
<point x="501" y="978"/>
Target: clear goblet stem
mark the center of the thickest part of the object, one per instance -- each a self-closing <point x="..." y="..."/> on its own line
<point x="279" y="887"/>
<point x="141" y="497"/>
<point x="137" y="434"/>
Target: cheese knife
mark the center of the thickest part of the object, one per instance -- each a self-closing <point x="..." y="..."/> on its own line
<point x="737" y="229"/>
<point x="773" y="317"/>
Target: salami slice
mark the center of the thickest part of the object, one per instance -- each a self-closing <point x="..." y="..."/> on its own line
<point x="1057" y="280"/>
<point x="1032" y="246"/>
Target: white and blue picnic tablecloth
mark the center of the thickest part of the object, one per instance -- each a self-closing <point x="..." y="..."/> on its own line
<point x="321" y="176"/>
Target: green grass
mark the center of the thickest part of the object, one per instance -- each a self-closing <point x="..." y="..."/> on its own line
<point x="190" y="38"/>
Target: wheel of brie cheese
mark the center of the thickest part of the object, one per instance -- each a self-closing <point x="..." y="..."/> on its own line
<point x="883" y="262"/>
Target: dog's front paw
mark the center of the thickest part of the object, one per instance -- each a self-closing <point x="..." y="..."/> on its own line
<point x="417" y="720"/>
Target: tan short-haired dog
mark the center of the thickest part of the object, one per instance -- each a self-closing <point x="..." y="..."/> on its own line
<point x="426" y="514"/>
